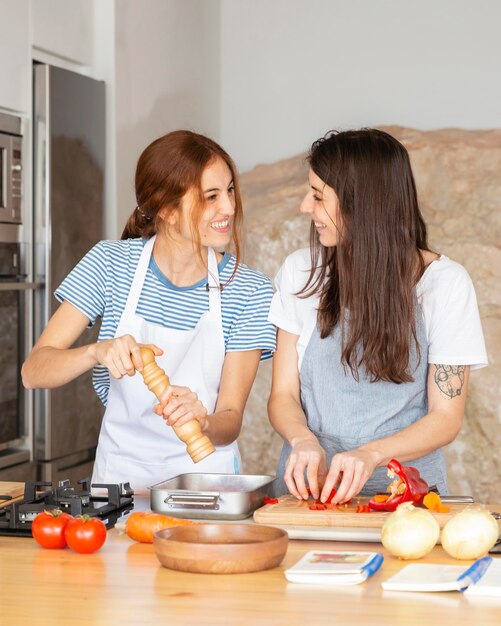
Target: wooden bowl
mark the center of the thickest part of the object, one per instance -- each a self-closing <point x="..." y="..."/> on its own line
<point x="220" y="548"/>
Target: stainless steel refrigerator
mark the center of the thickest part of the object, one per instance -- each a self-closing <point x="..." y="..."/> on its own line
<point x="68" y="204"/>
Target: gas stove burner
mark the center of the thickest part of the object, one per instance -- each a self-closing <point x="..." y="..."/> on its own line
<point x="108" y="502"/>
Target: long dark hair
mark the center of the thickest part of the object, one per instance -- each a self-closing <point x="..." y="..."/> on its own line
<point x="366" y="282"/>
<point x="166" y="170"/>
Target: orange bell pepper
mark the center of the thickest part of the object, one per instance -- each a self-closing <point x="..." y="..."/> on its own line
<point x="433" y="502"/>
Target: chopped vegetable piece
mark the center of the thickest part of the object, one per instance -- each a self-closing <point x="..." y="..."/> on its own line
<point x="433" y="502"/>
<point x="363" y="508"/>
<point x="317" y="506"/>
<point x="268" y="500"/>
<point x="331" y="495"/>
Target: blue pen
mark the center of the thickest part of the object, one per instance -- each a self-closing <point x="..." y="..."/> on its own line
<point x="373" y="565"/>
<point x="475" y="572"/>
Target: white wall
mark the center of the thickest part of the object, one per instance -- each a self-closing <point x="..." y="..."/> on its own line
<point x="167" y="77"/>
<point x="267" y="77"/>
<point x="293" y="69"/>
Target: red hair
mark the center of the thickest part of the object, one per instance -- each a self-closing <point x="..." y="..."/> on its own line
<point x="166" y="170"/>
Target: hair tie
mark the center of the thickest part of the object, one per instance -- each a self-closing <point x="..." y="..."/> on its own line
<point x="143" y="214"/>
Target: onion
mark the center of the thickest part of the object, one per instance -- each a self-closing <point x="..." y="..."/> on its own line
<point x="470" y="534"/>
<point x="410" y="533"/>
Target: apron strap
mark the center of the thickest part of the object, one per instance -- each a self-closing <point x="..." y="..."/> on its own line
<point x="213" y="284"/>
<point x="139" y="276"/>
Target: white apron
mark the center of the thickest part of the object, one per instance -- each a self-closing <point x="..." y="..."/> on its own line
<point x="135" y="444"/>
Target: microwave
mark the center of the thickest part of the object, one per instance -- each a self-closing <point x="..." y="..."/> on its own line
<point x="11" y="152"/>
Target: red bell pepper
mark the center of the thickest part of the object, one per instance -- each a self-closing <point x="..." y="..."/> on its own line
<point x="409" y="488"/>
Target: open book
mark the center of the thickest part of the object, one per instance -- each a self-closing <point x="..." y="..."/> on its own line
<point x="431" y="577"/>
<point x="334" y="567"/>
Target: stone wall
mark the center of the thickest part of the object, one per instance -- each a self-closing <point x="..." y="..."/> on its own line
<point x="458" y="175"/>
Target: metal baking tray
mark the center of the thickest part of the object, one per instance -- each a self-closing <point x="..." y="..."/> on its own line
<point x="210" y="496"/>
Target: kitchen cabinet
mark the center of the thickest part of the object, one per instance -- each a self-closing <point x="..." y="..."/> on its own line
<point x="22" y="472"/>
<point x="43" y="29"/>
<point x="64" y="29"/>
<point x="15" y="56"/>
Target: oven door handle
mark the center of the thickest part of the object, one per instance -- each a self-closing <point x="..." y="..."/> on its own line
<point x="20" y="286"/>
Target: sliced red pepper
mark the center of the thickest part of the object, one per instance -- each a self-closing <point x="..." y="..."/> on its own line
<point x="363" y="508"/>
<point x="329" y="499"/>
<point x="268" y="500"/>
<point x="331" y="495"/>
<point x="414" y="488"/>
<point x="317" y="507"/>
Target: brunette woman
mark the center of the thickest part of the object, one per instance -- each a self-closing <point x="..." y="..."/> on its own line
<point x="165" y="283"/>
<point x="377" y="333"/>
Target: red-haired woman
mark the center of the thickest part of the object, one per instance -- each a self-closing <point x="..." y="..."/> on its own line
<point x="377" y="333"/>
<point x="165" y="283"/>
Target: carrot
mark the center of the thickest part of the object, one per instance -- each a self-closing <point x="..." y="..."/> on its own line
<point x="141" y="526"/>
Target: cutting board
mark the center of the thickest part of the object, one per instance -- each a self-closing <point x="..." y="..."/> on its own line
<point x="292" y="512"/>
<point x="15" y="490"/>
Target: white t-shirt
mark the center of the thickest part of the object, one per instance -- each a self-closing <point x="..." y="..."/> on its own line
<point x="445" y="293"/>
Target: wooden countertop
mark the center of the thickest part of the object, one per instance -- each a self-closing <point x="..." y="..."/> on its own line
<point x="124" y="583"/>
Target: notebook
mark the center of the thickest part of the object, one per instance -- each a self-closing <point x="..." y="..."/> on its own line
<point x="334" y="567"/>
<point x="432" y="577"/>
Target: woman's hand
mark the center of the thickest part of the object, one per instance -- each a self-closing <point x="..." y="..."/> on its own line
<point x="179" y="405"/>
<point x="351" y="470"/>
<point x="307" y="455"/>
<point x="116" y="354"/>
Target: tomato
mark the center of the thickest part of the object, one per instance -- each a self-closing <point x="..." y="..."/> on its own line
<point x="141" y="526"/>
<point x="48" y="528"/>
<point x="85" y="534"/>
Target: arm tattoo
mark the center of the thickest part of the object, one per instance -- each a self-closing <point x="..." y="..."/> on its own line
<point x="450" y="379"/>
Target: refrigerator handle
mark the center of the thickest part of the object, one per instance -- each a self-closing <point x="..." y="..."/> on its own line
<point x="42" y="177"/>
<point x="42" y="236"/>
<point x="20" y="286"/>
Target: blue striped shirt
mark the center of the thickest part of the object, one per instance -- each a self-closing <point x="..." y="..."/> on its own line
<point x="99" y="285"/>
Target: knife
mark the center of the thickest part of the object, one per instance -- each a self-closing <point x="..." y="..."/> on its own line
<point x="465" y="499"/>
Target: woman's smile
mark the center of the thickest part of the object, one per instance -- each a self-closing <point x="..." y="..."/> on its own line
<point x="222" y="226"/>
<point x="319" y="225"/>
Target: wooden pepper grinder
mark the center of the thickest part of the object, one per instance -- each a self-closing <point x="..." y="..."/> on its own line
<point x="198" y="445"/>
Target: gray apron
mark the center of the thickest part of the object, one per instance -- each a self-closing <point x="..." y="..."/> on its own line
<point x="344" y="414"/>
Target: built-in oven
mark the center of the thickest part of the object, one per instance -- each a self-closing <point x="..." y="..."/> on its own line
<point x="12" y="315"/>
<point x="11" y="149"/>
<point x="16" y="308"/>
<point x="15" y="292"/>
